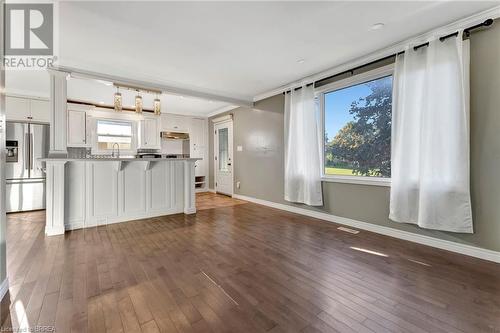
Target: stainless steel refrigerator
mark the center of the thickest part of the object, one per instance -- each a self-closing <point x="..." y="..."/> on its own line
<point x="24" y="173"/>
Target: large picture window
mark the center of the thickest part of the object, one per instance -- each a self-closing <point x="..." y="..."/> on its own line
<point x="357" y="127"/>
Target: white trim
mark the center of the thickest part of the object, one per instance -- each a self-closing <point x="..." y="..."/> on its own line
<point x="465" y="249"/>
<point x="222" y="119"/>
<point x="349" y="82"/>
<point x="4" y="288"/>
<point x="393" y="49"/>
<point x="82" y="224"/>
<point x="28" y="96"/>
<point x="54" y="231"/>
<point x="222" y="110"/>
<point x="370" y="75"/>
<point x="361" y="180"/>
<point x="26" y="93"/>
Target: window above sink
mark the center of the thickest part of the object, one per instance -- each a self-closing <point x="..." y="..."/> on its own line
<point x="110" y="132"/>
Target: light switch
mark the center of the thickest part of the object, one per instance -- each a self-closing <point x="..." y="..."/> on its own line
<point x="239" y="148"/>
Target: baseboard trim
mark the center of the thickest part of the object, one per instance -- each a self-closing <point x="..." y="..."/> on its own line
<point x="211" y="190"/>
<point x="190" y="211"/>
<point x="99" y="222"/>
<point x="54" y="231"/>
<point x="465" y="249"/>
<point x="4" y="288"/>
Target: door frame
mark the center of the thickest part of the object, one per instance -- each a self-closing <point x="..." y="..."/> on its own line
<point x="229" y="122"/>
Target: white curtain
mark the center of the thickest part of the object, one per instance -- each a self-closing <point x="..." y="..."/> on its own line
<point x="302" y="147"/>
<point x="430" y="137"/>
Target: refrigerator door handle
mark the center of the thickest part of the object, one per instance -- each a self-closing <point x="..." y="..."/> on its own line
<point x="26" y="151"/>
<point x="32" y="156"/>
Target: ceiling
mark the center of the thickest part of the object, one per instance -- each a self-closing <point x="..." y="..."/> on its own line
<point x="103" y="93"/>
<point x="236" y="49"/>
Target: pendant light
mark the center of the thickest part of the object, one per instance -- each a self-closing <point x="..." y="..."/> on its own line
<point x="157" y="105"/>
<point x="138" y="103"/>
<point x="118" y="100"/>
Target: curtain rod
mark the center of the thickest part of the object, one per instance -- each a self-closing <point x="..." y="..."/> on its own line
<point x="467" y="33"/>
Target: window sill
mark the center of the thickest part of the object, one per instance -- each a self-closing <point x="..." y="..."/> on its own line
<point x="358" y="180"/>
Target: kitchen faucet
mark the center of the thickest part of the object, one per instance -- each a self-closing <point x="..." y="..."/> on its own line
<point x="113" y="151"/>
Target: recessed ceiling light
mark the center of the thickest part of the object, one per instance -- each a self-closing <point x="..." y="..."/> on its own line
<point x="377" y="26"/>
<point x="301" y="61"/>
<point x="181" y="96"/>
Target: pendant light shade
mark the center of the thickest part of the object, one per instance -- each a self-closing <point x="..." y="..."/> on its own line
<point x="157" y="105"/>
<point x="118" y="100"/>
<point x="138" y="103"/>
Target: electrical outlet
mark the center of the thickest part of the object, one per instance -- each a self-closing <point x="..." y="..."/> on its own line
<point x="239" y="148"/>
<point x="238" y="184"/>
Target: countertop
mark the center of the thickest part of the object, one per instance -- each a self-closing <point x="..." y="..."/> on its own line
<point x="117" y="159"/>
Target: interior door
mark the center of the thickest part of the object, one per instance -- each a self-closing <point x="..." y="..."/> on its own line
<point x="223" y="158"/>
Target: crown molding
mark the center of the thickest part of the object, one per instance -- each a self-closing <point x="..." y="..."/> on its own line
<point x="492" y="13"/>
<point x="222" y="110"/>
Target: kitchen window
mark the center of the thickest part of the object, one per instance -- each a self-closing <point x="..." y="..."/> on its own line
<point x="357" y="128"/>
<point x="110" y="132"/>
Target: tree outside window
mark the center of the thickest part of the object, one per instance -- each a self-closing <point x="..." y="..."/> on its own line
<point x="358" y="129"/>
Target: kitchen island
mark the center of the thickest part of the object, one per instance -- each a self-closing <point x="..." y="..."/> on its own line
<point x="88" y="192"/>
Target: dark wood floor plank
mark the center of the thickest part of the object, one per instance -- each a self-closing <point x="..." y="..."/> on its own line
<point x="240" y="267"/>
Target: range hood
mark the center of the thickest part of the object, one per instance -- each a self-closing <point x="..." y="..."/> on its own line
<point x="175" y="135"/>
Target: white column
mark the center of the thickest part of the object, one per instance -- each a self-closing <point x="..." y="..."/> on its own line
<point x="189" y="193"/>
<point x="58" y="113"/>
<point x="54" y="224"/>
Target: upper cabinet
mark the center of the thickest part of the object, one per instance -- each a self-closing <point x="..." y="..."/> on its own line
<point x="77" y="129"/>
<point x="198" y="135"/>
<point x="197" y="132"/>
<point x="149" y="133"/>
<point x="40" y="110"/>
<point x="27" y="109"/>
<point x="174" y="123"/>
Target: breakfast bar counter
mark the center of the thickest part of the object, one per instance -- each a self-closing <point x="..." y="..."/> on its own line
<point x="88" y="192"/>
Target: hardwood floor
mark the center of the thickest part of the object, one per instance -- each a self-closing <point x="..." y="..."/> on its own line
<point x="207" y="200"/>
<point x="241" y="268"/>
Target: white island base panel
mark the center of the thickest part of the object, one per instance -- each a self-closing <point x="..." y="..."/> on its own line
<point x="89" y="193"/>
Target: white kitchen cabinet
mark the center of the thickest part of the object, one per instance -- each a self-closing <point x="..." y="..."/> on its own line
<point x="197" y="133"/>
<point x="198" y="136"/>
<point x="174" y="123"/>
<point x="149" y="133"/>
<point x="40" y="110"/>
<point x="77" y="129"/>
<point x="17" y="108"/>
<point x="27" y="109"/>
<point x="197" y="144"/>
